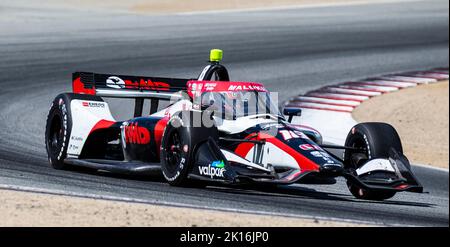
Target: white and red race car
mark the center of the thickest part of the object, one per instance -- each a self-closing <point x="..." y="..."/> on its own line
<point x="215" y="130"/>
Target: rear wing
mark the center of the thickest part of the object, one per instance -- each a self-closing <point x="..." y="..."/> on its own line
<point x="125" y="86"/>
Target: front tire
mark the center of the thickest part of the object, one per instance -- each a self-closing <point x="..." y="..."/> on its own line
<point x="376" y="140"/>
<point x="178" y="147"/>
<point x="175" y="154"/>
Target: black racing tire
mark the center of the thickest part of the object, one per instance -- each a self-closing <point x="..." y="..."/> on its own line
<point x="377" y="139"/>
<point x="57" y="131"/>
<point x="178" y="147"/>
<point x="59" y="126"/>
<point x="175" y="161"/>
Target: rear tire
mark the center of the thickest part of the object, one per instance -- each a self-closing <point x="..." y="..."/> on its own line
<point x="377" y="139"/>
<point x="59" y="126"/>
<point x="57" y="131"/>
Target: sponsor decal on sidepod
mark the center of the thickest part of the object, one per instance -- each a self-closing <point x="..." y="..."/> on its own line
<point x="134" y="134"/>
<point x="94" y="104"/>
<point x="215" y="169"/>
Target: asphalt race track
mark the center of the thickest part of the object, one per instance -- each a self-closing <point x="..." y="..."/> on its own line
<point x="291" y="51"/>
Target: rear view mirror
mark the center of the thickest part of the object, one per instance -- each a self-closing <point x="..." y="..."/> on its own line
<point x="291" y="112"/>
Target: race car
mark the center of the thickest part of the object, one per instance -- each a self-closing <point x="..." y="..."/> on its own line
<point x="213" y="130"/>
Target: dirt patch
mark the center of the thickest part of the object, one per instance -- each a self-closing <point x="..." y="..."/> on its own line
<point x="420" y="115"/>
<point x="34" y="209"/>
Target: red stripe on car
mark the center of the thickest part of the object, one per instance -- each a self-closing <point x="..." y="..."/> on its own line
<point x="304" y="163"/>
<point x="102" y="124"/>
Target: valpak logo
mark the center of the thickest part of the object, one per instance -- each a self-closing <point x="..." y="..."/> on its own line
<point x="135" y="134"/>
<point x="215" y="169"/>
<point x="115" y="82"/>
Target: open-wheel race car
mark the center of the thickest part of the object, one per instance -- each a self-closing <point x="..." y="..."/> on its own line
<point x="213" y="130"/>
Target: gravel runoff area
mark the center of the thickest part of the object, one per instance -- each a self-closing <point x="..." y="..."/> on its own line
<point x="26" y="209"/>
<point x="420" y="115"/>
